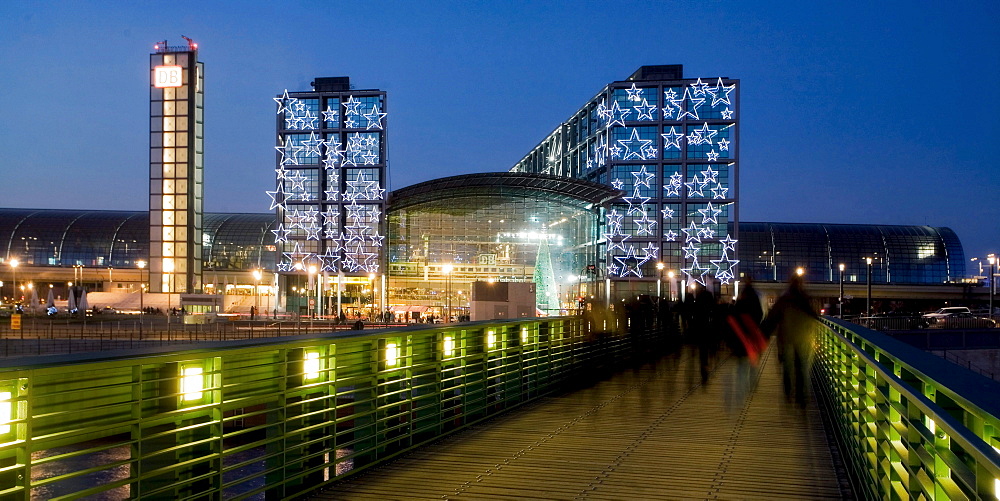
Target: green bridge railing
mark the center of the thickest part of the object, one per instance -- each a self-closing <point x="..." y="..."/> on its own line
<point x="913" y="426"/>
<point x="274" y="418"/>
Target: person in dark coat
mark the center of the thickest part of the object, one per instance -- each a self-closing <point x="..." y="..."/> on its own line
<point x="794" y="320"/>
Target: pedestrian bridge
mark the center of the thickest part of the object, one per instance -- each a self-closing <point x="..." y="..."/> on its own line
<point x="533" y="408"/>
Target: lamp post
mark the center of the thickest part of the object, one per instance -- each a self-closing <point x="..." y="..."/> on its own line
<point x="993" y="262"/>
<point x="447" y="297"/>
<point x="840" y="302"/>
<point x="13" y="284"/>
<point x="142" y="284"/>
<point x="256" y="291"/>
<point x="670" y="285"/>
<point x="311" y="299"/>
<point x="168" y="267"/>
<point x="868" y="299"/>
<point x="371" y="285"/>
<point x="659" y="278"/>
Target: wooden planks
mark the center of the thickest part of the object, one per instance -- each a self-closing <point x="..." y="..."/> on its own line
<point x="654" y="432"/>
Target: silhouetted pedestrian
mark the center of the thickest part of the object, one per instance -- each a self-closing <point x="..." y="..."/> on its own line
<point x="794" y="321"/>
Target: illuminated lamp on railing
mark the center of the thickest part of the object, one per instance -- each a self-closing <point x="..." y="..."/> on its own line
<point x="6" y="412"/>
<point x="491" y="339"/>
<point x="391" y="354"/>
<point x="449" y="346"/>
<point x="310" y="365"/>
<point x="524" y="334"/>
<point x="192" y="383"/>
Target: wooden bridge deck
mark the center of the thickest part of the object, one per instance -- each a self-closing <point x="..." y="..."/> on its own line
<point x="650" y="433"/>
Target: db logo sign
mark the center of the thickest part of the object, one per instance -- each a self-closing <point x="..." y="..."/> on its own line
<point x="168" y="76"/>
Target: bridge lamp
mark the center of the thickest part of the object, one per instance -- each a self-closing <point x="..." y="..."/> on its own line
<point x="6" y="412"/>
<point x="448" y="346"/>
<point x="192" y="383"/>
<point x="391" y="354"/>
<point x="491" y="339"/>
<point x="524" y="335"/>
<point x="841" y="301"/>
<point x="868" y="300"/>
<point x="311" y="365"/>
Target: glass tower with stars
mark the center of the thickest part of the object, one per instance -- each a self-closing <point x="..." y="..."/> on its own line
<point x="329" y="196"/>
<point x="671" y="145"/>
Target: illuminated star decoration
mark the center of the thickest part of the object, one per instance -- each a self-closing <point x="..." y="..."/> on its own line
<point x="643" y="178"/>
<point x="331" y="115"/>
<point x="695" y="273"/>
<point x="710" y="214"/>
<point x="723" y="144"/>
<point x="618" y="114"/>
<point x="634" y="145"/>
<point x="645" y="111"/>
<point x="724" y="267"/>
<point x="281" y="233"/>
<point x="351" y="106"/>
<point x="644" y="225"/>
<point x="636" y="202"/>
<point x="720" y="93"/>
<point x="702" y="135"/>
<point x="311" y="146"/>
<point x="634" y="94"/>
<point x="667" y="212"/>
<point x="285" y="103"/>
<point x="691" y="251"/>
<point x="728" y="243"/>
<point x="672" y="139"/>
<point x="278" y="196"/>
<point x="670" y="236"/>
<point x="361" y="188"/>
<point x="289" y="151"/>
<point x="692" y="233"/>
<point x="630" y="262"/>
<point x="374" y="118"/>
<point x="617" y="183"/>
<point x="673" y="189"/>
<point x="699" y="87"/>
<point x="693" y="103"/>
<point x="727" y="114"/>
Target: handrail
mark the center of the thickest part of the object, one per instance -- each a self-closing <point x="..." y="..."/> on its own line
<point x="909" y="434"/>
<point x="278" y="417"/>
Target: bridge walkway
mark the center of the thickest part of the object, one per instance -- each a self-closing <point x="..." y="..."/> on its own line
<point x="653" y="432"/>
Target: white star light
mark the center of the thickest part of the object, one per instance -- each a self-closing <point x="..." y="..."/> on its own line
<point x="724" y="267"/>
<point x="710" y="214"/>
<point x="691" y="251"/>
<point x="649" y="251"/>
<point x="281" y="234"/>
<point x="618" y="114"/>
<point x="699" y="87"/>
<point x="718" y="192"/>
<point x="633" y="146"/>
<point x="728" y="243"/>
<point x="704" y="134"/>
<point x="727" y="114"/>
<point x="723" y="144"/>
<point x="644" y="225"/>
<point x="331" y="114"/>
<point x="695" y="273"/>
<point x="630" y="263"/>
<point x="645" y="111"/>
<point x="311" y="146"/>
<point x="720" y="93"/>
<point x="329" y="259"/>
<point x="667" y="212"/>
<point x="351" y="105"/>
<point x="674" y="188"/>
<point x="374" y="118"/>
<point x="278" y="196"/>
<point x="289" y="151"/>
<point x="643" y="178"/>
<point x="710" y="175"/>
<point x="692" y="232"/>
<point x="696" y="187"/>
<point x="672" y="139"/>
<point x="296" y="181"/>
<point x="712" y="156"/>
<point x="692" y="106"/>
<point x="670" y="236"/>
<point x="284" y="102"/>
<point x="617" y="183"/>
<point x="634" y="94"/>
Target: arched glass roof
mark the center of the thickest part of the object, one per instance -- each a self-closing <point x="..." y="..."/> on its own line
<point x="573" y="192"/>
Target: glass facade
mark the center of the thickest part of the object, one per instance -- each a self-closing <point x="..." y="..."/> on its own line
<point x="494" y="227"/>
<point x="330" y="166"/>
<point x="64" y="238"/>
<point x="900" y="254"/>
<point x="671" y="146"/>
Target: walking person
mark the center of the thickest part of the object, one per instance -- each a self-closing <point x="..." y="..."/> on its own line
<point x="794" y="321"/>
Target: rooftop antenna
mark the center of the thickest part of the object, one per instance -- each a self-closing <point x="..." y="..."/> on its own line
<point x="191" y="44"/>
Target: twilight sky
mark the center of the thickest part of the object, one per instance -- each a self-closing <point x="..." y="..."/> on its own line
<point x="876" y="112"/>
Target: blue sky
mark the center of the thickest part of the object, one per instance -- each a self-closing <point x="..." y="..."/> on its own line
<point x="876" y="112"/>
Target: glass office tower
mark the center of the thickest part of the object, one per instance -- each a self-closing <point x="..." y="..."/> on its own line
<point x="329" y="196"/>
<point x="671" y="145"/>
<point x="176" y="153"/>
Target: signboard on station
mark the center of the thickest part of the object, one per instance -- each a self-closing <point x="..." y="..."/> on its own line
<point x="15" y="322"/>
<point x="168" y="76"/>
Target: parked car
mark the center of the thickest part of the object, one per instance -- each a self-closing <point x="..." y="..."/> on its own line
<point x="893" y="320"/>
<point x="937" y="318"/>
<point x="963" y="321"/>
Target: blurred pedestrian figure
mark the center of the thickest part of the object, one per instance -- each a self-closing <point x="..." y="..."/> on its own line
<point x="744" y="339"/>
<point x="701" y="329"/>
<point x="794" y="321"/>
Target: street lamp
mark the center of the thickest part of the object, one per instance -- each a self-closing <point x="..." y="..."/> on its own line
<point x="168" y="267"/>
<point x="993" y="288"/>
<point x="447" y="283"/>
<point x="256" y="292"/>
<point x="659" y="278"/>
<point x="312" y="287"/>
<point x="371" y="284"/>
<point x="670" y="285"/>
<point x="800" y="271"/>
<point x="13" y="285"/>
<point x="142" y="284"/>
<point x="868" y="299"/>
<point x="841" y="301"/>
